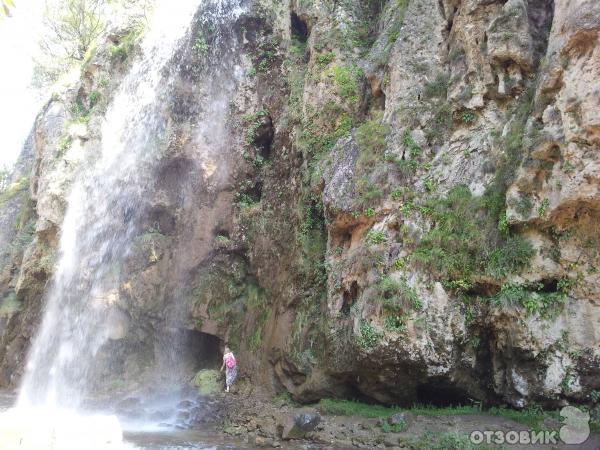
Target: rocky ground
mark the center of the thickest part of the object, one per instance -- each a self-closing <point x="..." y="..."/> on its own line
<point x="264" y="421"/>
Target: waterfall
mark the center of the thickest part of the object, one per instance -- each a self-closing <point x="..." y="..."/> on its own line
<point x="102" y="219"/>
<point x="101" y="222"/>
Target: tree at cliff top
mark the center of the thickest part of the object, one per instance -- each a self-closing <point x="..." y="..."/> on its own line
<point x="5" y="7"/>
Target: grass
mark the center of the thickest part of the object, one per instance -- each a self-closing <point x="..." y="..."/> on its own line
<point x="125" y="47"/>
<point x="464" y="241"/>
<point x="443" y="441"/>
<point x="368" y="337"/>
<point x="13" y="190"/>
<point x="398" y="294"/>
<point x="371" y="139"/>
<point x="533" y="417"/>
<point x="533" y="299"/>
<point x="346" y="80"/>
<point x="438" y="88"/>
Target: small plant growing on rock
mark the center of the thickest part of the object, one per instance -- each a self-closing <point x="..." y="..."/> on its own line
<point x="371" y="139"/>
<point x="438" y="88"/>
<point x="375" y="237"/>
<point x="468" y="117"/>
<point x="200" y="45"/>
<point x="368" y="337"/>
<point x="543" y="209"/>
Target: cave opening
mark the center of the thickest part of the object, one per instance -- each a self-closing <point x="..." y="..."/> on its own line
<point x="200" y="350"/>
<point x="299" y="28"/>
<point x="441" y="394"/>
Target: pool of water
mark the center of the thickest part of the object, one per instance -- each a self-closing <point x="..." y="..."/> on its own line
<point x="174" y="432"/>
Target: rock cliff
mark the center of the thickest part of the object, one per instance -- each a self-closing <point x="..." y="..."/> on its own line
<point x="404" y="205"/>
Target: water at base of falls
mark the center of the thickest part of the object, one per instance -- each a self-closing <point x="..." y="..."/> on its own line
<point x="53" y="428"/>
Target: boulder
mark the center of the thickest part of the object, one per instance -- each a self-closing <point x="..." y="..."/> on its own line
<point x="207" y="382"/>
<point x="298" y="426"/>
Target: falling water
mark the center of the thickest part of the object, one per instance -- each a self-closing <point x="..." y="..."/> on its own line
<point x="102" y="219"/>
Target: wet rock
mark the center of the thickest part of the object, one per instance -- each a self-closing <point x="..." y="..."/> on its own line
<point x="261" y="441"/>
<point x="397" y="419"/>
<point x="185" y="404"/>
<point x="131" y="406"/>
<point x="300" y="425"/>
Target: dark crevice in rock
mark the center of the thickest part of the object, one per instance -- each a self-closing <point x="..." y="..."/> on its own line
<point x="349" y="297"/>
<point x="263" y="136"/>
<point x="540" y="14"/>
<point x="299" y="27"/>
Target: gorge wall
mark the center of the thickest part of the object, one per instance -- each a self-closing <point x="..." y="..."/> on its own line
<point x="402" y="205"/>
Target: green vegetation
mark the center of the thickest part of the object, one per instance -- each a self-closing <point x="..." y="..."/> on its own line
<point x="398" y="295"/>
<point x="375" y="237"/>
<point x="533" y="298"/>
<point x="368" y="336"/>
<point x="352" y="408"/>
<point x="200" y="45"/>
<point x="207" y="382"/>
<point x="395" y="428"/>
<point x="5" y="7"/>
<point x="13" y="190"/>
<point x="93" y="98"/>
<point x="464" y="241"/>
<point x="371" y="139"/>
<point x="443" y="441"/>
<point x="127" y="43"/>
<point x="347" y="81"/>
<point x="438" y="88"/>
<point x="64" y="144"/>
<point x="534" y="417"/>
<point x="468" y="116"/>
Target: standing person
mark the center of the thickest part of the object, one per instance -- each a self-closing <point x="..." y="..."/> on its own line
<point x="230" y="366"/>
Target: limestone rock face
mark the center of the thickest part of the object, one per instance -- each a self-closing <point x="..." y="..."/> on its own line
<point x="405" y="208"/>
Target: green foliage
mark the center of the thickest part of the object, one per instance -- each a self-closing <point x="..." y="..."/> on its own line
<point x="346" y="80"/>
<point x="127" y="43"/>
<point x="371" y="139"/>
<point x="367" y="192"/>
<point x="394" y="428"/>
<point x="532" y="416"/>
<point x="533" y="298"/>
<point x="543" y="207"/>
<point x="375" y="237"/>
<point x="409" y="143"/>
<point x="464" y="240"/>
<point x="398" y="294"/>
<point x="352" y="408"/>
<point x="13" y="190"/>
<point x="71" y="28"/>
<point x="324" y="59"/>
<point x="64" y="143"/>
<point x="93" y="98"/>
<point x="438" y="88"/>
<point x="510" y="257"/>
<point x="200" y="45"/>
<point x="395" y="323"/>
<point x="468" y="116"/>
<point x="443" y="441"/>
<point x="5" y="7"/>
<point x="207" y="382"/>
<point x="368" y="337"/>
<point x="440" y="123"/>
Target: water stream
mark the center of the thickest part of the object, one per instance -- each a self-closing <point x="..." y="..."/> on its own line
<point x="103" y="217"/>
